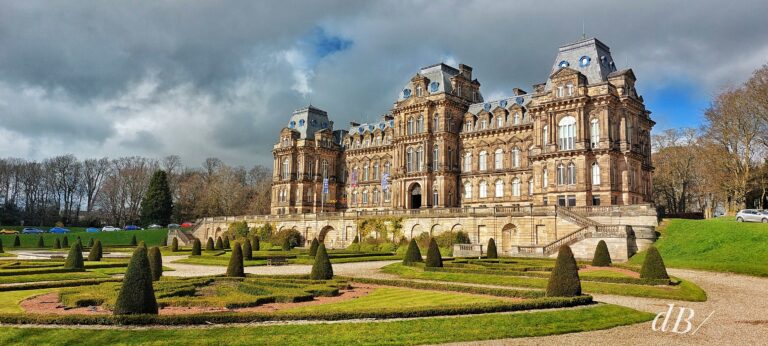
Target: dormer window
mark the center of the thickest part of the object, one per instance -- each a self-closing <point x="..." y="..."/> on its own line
<point x="516" y="119"/>
<point x="570" y="89"/>
<point x="474" y="96"/>
<point x="419" y="91"/>
<point x="559" y="91"/>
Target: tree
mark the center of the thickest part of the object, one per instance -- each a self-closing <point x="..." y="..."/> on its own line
<point x="157" y="205"/>
<point x="492" y="249"/>
<point x="434" y="259"/>
<point x="564" y="279"/>
<point x="209" y="244"/>
<point x="137" y="296"/>
<point x="235" y="268"/>
<point x="602" y="257"/>
<point x="16" y="241"/>
<point x="653" y="265"/>
<point x="65" y="242"/>
<point x="75" y="258"/>
<point x="219" y="243"/>
<point x="313" y="247"/>
<point x="286" y="244"/>
<point x="412" y="254"/>
<point x="155" y="263"/>
<point x="247" y="250"/>
<point x="1" y="246"/>
<point x="96" y="251"/>
<point x="226" y="242"/>
<point x="57" y="243"/>
<point x="175" y="244"/>
<point x="356" y="240"/>
<point x="90" y="242"/>
<point x="40" y="242"/>
<point x="256" y="245"/>
<point x="321" y="269"/>
<point x="133" y="240"/>
<point x="196" y="247"/>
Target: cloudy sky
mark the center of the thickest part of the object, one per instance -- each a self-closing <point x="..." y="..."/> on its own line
<point x="220" y="78"/>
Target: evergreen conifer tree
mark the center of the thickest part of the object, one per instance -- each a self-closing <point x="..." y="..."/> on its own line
<point x="1" y="246"/>
<point x="313" y="247"/>
<point x="16" y="241"/>
<point x="175" y="245"/>
<point x="321" y="269"/>
<point x="96" y="251"/>
<point x="57" y="243"/>
<point x="137" y="296"/>
<point x="286" y="244"/>
<point x="219" y="243"/>
<point x="433" y="255"/>
<point x="356" y="240"/>
<point x="196" y="247"/>
<point x="226" y="242"/>
<point x="75" y="258"/>
<point x="157" y="204"/>
<point x="40" y="242"/>
<point x="564" y="279"/>
<point x="155" y="263"/>
<point x="412" y="254"/>
<point x="602" y="257"/>
<point x="90" y="242"/>
<point x="653" y="265"/>
<point x="133" y="240"/>
<point x="235" y="268"/>
<point x="256" y="243"/>
<point x="492" y="249"/>
<point x="209" y="244"/>
<point x="65" y="242"/>
<point x="247" y="250"/>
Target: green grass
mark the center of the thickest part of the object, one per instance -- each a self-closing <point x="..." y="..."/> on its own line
<point x="420" y="331"/>
<point x="151" y="237"/>
<point x="603" y="273"/>
<point x="11" y="299"/>
<point x="50" y="277"/>
<point x="216" y="258"/>
<point x="685" y="291"/>
<point x="720" y="244"/>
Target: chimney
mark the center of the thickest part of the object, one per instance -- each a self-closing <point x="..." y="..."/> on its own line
<point x="465" y="71"/>
<point x="518" y="91"/>
<point x="354" y="124"/>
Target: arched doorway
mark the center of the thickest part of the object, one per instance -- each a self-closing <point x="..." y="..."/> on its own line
<point x="328" y="236"/>
<point x="415" y="196"/>
<point x="508" y="237"/>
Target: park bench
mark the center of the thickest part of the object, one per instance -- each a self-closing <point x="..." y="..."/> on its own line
<point x="276" y="261"/>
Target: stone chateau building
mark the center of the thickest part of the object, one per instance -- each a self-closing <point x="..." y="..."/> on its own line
<point x="580" y="138"/>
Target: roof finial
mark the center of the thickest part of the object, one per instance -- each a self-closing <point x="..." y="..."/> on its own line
<point x="583" y="30"/>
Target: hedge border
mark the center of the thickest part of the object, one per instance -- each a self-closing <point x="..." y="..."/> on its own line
<point x="501" y="272"/>
<point x="9" y="272"/>
<point x="58" y="284"/>
<point x="498" y="292"/>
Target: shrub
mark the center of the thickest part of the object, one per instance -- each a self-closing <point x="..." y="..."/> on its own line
<point x="40" y="242"/>
<point x="293" y="236"/>
<point x="238" y="229"/>
<point x="321" y="269"/>
<point x="313" y="247"/>
<point x="96" y="251"/>
<point x="286" y="244"/>
<point x="80" y="242"/>
<point x="196" y="247"/>
<point x="235" y="268"/>
<point x="219" y="244"/>
<point x="164" y="242"/>
<point x="1" y="246"/>
<point x="133" y="240"/>
<point x="433" y="255"/>
<point x="90" y="242"/>
<point x="142" y="244"/>
<point x="602" y="257"/>
<point x="247" y="250"/>
<point x="492" y="249"/>
<point x="387" y="247"/>
<point x="137" y="296"/>
<point x="57" y="243"/>
<point x="412" y="255"/>
<point x="423" y="240"/>
<point x="653" y="266"/>
<point x="175" y="244"/>
<point x="65" y="242"/>
<point x="265" y="232"/>
<point x="16" y="241"/>
<point x="354" y="247"/>
<point x="209" y="244"/>
<point x="356" y="240"/>
<point x="255" y="244"/>
<point x="226" y="242"/>
<point x="155" y="263"/>
<point x="74" y="258"/>
<point x="564" y="279"/>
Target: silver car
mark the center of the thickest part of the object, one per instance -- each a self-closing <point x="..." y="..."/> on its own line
<point x="751" y="215"/>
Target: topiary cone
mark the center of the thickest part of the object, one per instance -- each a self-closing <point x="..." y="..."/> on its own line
<point x="412" y="254"/>
<point x="313" y="247"/>
<point x="356" y="240"/>
<point x="564" y="280"/>
<point x="209" y="244"/>
<point x="602" y="257"/>
<point x="653" y="265"/>
<point x="133" y="240"/>
<point x="256" y="243"/>
<point x="219" y="244"/>
<point x="65" y="242"/>
<point x="235" y="267"/>
<point x="196" y="247"/>
<point x="175" y="245"/>
<point x="96" y="253"/>
<point x="247" y="250"/>
<point x="16" y="241"/>
<point x="492" y="249"/>
<point x="137" y="296"/>
<point x="1" y="246"/>
<point x="321" y="269"/>
<point x="286" y="245"/>
<point x="164" y="242"/>
<point x="74" y="258"/>
<point x="226" y="242"/>
<point x="155" y="263"/>
<point x="57" y="243"/>
<point x="90" y="242"/>
<point x="434" y="259"/>
<point x="40" y="242"/>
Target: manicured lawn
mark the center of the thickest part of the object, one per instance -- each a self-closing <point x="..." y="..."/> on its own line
<point x="150" y="237"/>
<point x="603" y="273"/>
<point x="685" y="291"/>
<point x="388" y="297"/>
<point x="50" y="277"/>
<point x="216" y="258"/>
<point x="11" y="299"/>
<point x="422" y="331"/>
<point x="720" y="244"/>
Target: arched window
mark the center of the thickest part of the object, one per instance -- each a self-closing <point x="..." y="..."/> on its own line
<point x="420" y="159"/>
<point x="595" y="174"/>
<point x="386" y="167"/>
<point x="421" y="124"/>
<point x="435" y="157"/>
<point x="571" y="173"/>
<point x="286" y="169"/>
<point x="567" y="133"/>
<point x="435" y="198"/>
<point x="410" y="126"/>
<point x="325" y="169"/>
<point x="530" y="186"/>
<point x="435" y="123"/>
<point x="483" y="158"/>
<point x="365" y="196"/>
<point x="449" y="158"/>
<point x="545" y="178"/>
<point x="354" y="198"/>
<point x="515" y="157"/>
<point x="516" y="187"/>
<point x="467" y="190"/>
<point x="594" y="133"/>
<point x="365" y="172"/>
<point x="499" y="189"/>
<point x="375" y="196"/>
<point x="468" y="162"/>
<point x="500" y="120"/>
<point x="483" y="189"/>
<point x="545" y="136"/>
<point x="376" y="175"/>
<point x="498" y="159"/>
<point x="409" y="160"/>
<point x="560" y="174"/>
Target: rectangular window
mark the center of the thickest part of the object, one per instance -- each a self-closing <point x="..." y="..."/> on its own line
<point x="595" y="200"/>
<point x="571" y="201"/>
<point x="561" y="200"/>
<point x="545" y="201"/>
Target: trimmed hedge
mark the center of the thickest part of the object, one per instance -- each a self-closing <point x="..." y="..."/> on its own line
<point x="564" y="281"/>
<point x="226" y="242"/>
<point x="137" y="296"/>
<point x="58" y="284"/>
<point x="602" y="257"/>
<point x="90" y="242"/>
<point x="47" y="270"/>
<point x="653" y="265"/>
<point x="65" y="242"/>
<point x="155" y="263"/>
<point x="196" y="247"/>
<point x="235" y="267"/>
<point x="321" y="269"/>
<point x="175" y="244"/>
<point x="492" y="253"/>
<point x="313" y="247"/>
<point x="96" y="251"/>
<point x="133" y="240"/>
<point x="434" y="260"/>
<point x="75" y="258"/>
<point x="56" y="243"/>
<point x="16" y="241"/>
<point x="412" y="254"/>
<point x="219" y="244"/>
<point x="247" y="250"/>
<point x="40" y="242"/>
<point x="499" y="292"/>
<point x="256" y="243"/>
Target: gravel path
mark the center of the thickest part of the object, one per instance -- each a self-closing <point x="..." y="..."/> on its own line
<point x="346" y="269"/>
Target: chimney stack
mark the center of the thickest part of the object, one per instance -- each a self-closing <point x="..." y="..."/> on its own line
<point x="465" y="71"/>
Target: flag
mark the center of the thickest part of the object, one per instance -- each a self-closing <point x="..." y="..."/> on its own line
<point x="384" y="181"/>
<point x="325" y="186"/>
<point x="353" y="179"/>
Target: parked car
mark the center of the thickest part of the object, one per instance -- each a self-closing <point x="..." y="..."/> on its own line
<point x="187" y="225"/>
<point x="58" y="230"/>
<point x="30" y="230"/>
<point x="132" y="228"/>
<point x="92" y="230"/>
<point x="751" y="215"/>
<point x="110" y="229"/>
<point x="174" y="225"/>
<point x="154" y="226"/>
<point x="9" y="231"/>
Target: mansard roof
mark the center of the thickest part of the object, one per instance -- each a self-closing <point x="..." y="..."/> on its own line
<point x="589" y="56"/>
<point x="439" y="76"/>
<point x="506" y="103"/>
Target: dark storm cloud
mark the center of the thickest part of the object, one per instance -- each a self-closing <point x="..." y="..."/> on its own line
<point x="227" y="75"/>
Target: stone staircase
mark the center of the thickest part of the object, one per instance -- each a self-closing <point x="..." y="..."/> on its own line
<point x="185" y="238"/>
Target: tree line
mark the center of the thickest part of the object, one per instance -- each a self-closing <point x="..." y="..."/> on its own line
<point x="93" y="192"/>
<point x="724" y="163"/>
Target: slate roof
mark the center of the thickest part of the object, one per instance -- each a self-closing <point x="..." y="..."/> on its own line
<point x="439" y="76"/>
<point x="505" y="103"/>
<point x="600" y="63"/>
<point x="309" y="120"/>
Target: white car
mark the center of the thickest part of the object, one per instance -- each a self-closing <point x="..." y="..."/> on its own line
<point x="154" y="226"/>
<point x="110" y="229"/>
<point x="751" y="215"/>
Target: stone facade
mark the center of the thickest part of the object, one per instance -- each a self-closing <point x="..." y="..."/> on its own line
<point x="582" y="138"/>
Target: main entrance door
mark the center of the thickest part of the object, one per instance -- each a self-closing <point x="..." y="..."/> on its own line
<point x="415" y="196"/>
